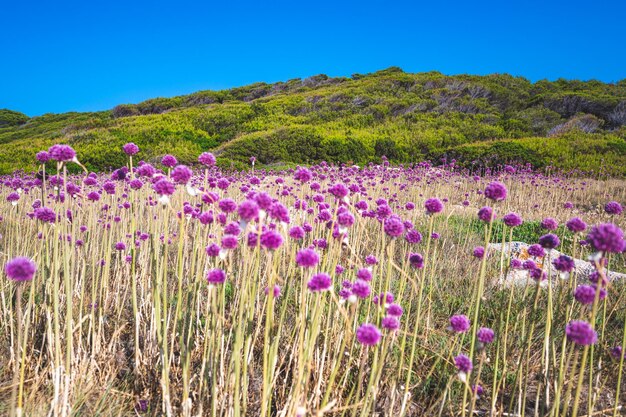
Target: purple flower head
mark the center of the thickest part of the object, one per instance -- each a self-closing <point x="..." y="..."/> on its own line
<point x="564" y="264"/>
<point x="368" y="334"/>
<point x="486" y="214"/>
<point x="213" y="250"/>
<point x="512" y="220"/>
<point x="529" y="264"/>
<point x="207" y="159"/>
<point x="568" y="205"/>
<point x="549" y="223"/>
<point x="581" y="333"/>
<point x="586" y="294"/>
<point x="130" y="149"/>
<point x="275" y="291"/>
<point x="433" y="205"/>
<point x="296" y="232"/>
<point x="459" y="323"/>
<point x="536" y="250"/>
<point x="181" y="174"/>
<point x="607" y="237"/>
<point x="361" y="288"/>
<point x="303" y="174"/>
<point x="371" y="260"/>
<point x="20" y="269"/>
<point x="120" y="246"/>
<point x="229" y="242"/>
<point x="271" y="240"/>
<point x="463" y="364"/>
<point x="495" y="191"/>
<point x="416" y="260"/>
<point x="364" y="274"/>
<point x="516" y="263"/>
<point x="307" y="258"/>
<point x="45" y="214"/>
<point x="227" y="205"/>
<point x="163" y="187"/>
<point x="248" y="210"/>
<point x="485" y="335"/>
<point x="479" y="252"/>
<point x="413" y="236"/>
<point x="169" y="161"/>
<point x="394" y="310"/>
<point x="62" y="153"/>
<point x="42" y="157"/>
<point x="394" y="226"/>
<point x="319" y="282"/>
<point x="216" y="276"/>
<point x="576" y="225"/>
<point x="549" y="241"/>
<point x="339" y="190"/>
<point x="613" y="207"/>
<point x="390" y="323"/>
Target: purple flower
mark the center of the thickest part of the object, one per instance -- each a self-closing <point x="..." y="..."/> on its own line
<point x="536" y="250"/>
<point x="62" y="153"/>
<point x="512" y="220"/>
<point x="413" y="236"/>
<point x="576" y="225"/>
<point x="339" y="190"/>
<point x="394" y="227"/>
<point x="485" y="335"/>
<point x="271" y="240"/>
<point x="581" y="333"/>
<point x="368" y="334"/>
<point x="364" y="274"/>
<point x="371" y="260"/>
<point x="549" y="241"/>
<point x="227" y="205"/>
<point x="303" y="174"/>
<point x="120" y="246"/>
<point x="564" y="264"/>
<point x="463" y="364"/>
<point x="45" y="214"/>
<point x="433" y="205"/>
<point x="568" y="205"/>
<point x="479" y="252"/>
<point x="248" y="210"/>
<point x="549" y="223"/>
<point x="207" y="159"/>
<point x="516" y="263"/>
<point x="20" y="269"/>
<point x="361" y="288"/>
<point x="275" y="291"/>
<point x="216" y="276"/>
<point x="486" y="214"/>
<point x="607" y="237"/>
<point x="130" y="149"/>
<point x="390" y="323"/>
<point x="296" y="232"/>
<point x="163" y="187"/>
<point x="586" y="294"/>
<point x="495" y="191"/>
<point x="213" y="250"/>
<point x="613" y="207"/>
<point x="394" y="310"/>
<point x="229" y="242"/>
<point x="416" y="260"/>
<point x="42" y="157"/>
<point x="181" y="174"/>
<point x="459" y="323"/>
<point x="307" y="258"/>
<point x="169" y="161"/>
<point x="319" y="282"/>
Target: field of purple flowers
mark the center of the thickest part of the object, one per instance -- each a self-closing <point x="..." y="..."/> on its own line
<point x="328" y="290"/>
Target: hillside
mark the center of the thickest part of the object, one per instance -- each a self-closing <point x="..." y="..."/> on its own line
<point x="407" y="117"/>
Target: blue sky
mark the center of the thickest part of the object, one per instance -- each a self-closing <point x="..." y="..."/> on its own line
<point x="82" y="56"/>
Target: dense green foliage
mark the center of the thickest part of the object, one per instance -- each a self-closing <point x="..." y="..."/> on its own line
<point x="479" y="120"/>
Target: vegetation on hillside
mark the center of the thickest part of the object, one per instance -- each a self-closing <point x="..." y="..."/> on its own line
<point x="478" y="120"/>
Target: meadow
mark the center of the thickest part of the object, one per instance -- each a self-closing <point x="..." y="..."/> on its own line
<point x="326" y="290"/>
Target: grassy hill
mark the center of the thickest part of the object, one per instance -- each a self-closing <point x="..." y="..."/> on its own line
<point x="481" y="120"/>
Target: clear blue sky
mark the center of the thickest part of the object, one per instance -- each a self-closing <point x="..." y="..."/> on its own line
<point x="58" y="56"/>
